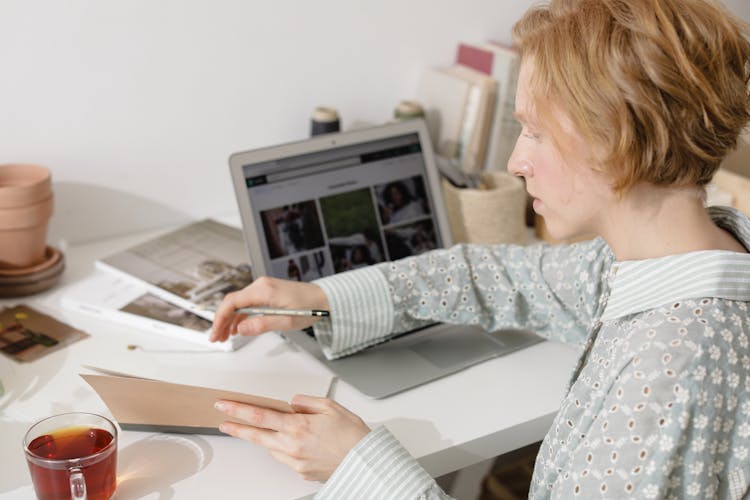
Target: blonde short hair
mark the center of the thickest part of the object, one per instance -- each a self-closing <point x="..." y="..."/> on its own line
<point x="659" y="87"/>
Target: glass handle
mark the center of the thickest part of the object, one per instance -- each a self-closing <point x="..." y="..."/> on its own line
<point x="77" y="485"/>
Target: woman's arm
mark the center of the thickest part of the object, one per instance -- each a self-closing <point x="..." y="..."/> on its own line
<point x="556" y="291"/>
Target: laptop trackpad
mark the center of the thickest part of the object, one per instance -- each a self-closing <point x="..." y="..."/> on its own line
<point x="416" y="358"/>
<point x="449" y="349"/>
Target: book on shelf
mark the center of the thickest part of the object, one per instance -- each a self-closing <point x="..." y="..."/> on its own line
<point x="477" y="117"/>
<point x="112" y="297"/>
<point x="192" y="267"/>
<point x="501" y="63"/>
<point x="443" y="98"/>
<point x="456" y="101"/>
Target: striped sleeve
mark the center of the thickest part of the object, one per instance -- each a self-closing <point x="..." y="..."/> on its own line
<point x="554" y="291"/>
<point x="738" y="484"/>
<point x="379" y="468"/>
<point x="361" y="312"/>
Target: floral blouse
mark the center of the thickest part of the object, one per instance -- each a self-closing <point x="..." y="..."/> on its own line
<point x="658" y="405"/>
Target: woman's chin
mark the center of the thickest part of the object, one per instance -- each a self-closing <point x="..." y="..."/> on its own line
<point x="556" y="230"/>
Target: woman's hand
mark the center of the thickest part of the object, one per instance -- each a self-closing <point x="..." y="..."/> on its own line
<point x="313" y="441"/>
<point x="270" y="292"/>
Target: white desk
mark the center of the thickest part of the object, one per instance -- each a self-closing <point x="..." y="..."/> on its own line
<point x="449" y="424"/>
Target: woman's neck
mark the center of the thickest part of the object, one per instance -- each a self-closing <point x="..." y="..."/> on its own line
<point x="651" y="222"/>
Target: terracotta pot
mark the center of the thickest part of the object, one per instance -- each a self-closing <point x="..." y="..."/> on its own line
<point x="25" y="208"/>
<point x="22" y="185"/>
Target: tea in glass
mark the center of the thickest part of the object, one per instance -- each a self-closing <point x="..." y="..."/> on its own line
<point x="73" y="456"/>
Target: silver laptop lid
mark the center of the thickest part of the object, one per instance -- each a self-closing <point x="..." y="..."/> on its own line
<point x="340" y="201"/>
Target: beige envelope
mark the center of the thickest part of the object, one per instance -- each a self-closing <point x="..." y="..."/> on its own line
<point x="152" y="405"/>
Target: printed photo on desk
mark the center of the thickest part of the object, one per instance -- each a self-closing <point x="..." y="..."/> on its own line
<point x="27" y="335"/>
<point x="192" y="267"/>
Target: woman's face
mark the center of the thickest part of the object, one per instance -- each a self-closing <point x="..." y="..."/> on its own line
<point x="571" y="196"/>
<point x="357" y="255"/>
<point x="396" y="197"/>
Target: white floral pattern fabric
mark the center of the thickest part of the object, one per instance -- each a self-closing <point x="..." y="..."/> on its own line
<point x="658" y="405"/>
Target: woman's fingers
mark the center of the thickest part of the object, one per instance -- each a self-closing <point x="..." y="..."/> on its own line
<point x="259" y="292"/>
<point x="262" y="437"/>
<point x="312" y="441"/>
<point x="275" y="442"/>
<point x="255" y="325"/>
<point x="310" y="404"/>
<point x="263" y="418"/>
<point x="266" y="291"/>
<point x="233" y="326"/>
<point x="224" y="316"/>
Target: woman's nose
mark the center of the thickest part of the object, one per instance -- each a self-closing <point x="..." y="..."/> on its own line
<point x="518" y="163"/>
<point x="520" y="168"/>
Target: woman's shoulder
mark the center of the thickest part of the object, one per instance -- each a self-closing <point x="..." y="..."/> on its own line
<point x="589" y="249"/>
<point x="590" y="260"/>
<point x="701" y="333"/>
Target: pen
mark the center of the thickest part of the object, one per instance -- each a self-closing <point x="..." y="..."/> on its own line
<point x="282" y="312"/>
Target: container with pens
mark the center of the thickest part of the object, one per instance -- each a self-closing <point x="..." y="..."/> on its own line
<point x="483" y="207"/>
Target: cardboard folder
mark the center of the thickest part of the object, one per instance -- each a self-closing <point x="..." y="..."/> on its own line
<point x="144" y="404"/>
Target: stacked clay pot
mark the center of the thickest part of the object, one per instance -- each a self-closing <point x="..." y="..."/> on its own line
<point x="25" y="210"/>
<point x="27" y="264"/>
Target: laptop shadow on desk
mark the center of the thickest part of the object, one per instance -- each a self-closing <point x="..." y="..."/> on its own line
<point x="21" y="381"/>
<point x="87" y="212"/>
<point x="155" y="463"/>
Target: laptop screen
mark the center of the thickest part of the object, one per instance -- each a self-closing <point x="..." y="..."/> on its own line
<point x="342" y="208"/>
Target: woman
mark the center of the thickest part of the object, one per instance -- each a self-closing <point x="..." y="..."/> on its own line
<point x="628" y="107"/>
<point x="400" y="204"/>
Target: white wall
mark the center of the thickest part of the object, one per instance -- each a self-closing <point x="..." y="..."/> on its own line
<point x="136" y="105"/>
<point x="740" y="7"/>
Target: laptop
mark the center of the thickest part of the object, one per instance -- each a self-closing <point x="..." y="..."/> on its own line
<point x="341" y="201"/>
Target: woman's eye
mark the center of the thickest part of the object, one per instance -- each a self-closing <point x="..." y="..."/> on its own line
<point x="531" y="135"/>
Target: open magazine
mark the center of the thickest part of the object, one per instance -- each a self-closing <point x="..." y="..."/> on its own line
<point x="112" y="297"/>
<point x="170" y="284"/>
<point x="192" y="267"/>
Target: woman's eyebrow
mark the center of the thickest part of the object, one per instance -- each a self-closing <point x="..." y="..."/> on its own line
<point x="525" y="119"/>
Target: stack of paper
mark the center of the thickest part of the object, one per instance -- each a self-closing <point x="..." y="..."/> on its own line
<point x="169" y="285"/>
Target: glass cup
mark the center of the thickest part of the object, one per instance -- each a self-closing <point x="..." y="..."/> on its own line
<point x="72" y="456"/>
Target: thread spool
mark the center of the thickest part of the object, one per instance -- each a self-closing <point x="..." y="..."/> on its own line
<point x="406" y="110"/>
<point x="324" y="120"/>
